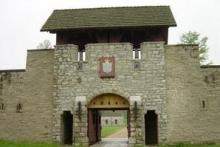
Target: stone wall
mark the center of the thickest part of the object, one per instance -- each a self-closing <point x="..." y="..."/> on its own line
<point x="142" y="83"/>
<point x="167" y="79"/>
<point x="65" y="81"/>
<point x="154" y="97"/>
<point x="193" y="110"/>
<point x="32" y="89"/>
<point x="211" y="111"/>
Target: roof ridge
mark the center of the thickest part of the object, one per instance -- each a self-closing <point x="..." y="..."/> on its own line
<point x="122" y="16"/>
<point x="117" y="7"/>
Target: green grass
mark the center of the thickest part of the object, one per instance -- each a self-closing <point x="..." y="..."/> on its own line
<point x="186" y="145"/>
<point x="107" y="131"/>
<point x="191" y="145"/>
<point x="4" y="143"/>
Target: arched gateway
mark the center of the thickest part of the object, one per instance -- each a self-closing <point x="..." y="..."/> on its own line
<point x="103" y="102"/>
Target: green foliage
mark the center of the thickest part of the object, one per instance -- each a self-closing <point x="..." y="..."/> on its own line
<point x="4" y="143"/>
<point x="139" y="145"/>
<point x="195" y="38"/>
<point x="46" y="44"/>
<point x="107" y="131"/>
<point x="191" y="145"/>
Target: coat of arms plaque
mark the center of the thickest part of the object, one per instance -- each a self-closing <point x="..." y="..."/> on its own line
<point x="107" y="67"/>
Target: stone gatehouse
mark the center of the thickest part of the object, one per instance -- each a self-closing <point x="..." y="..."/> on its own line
<point x="111" y="59"/>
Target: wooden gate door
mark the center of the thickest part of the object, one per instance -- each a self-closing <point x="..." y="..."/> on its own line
<point x="94" y="126"/>
<point x="128" y="123"/>
<point x="99" y="128"/>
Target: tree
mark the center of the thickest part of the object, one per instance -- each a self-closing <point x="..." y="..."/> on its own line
<point x="195" y="38"/>
<point x="44" y="45"/>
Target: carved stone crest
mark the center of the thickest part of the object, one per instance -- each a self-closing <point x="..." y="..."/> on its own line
<point x="107" y="67"/>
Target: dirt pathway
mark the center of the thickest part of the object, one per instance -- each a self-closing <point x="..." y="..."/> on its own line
<point x="123" y="133"/>
<point x="118" y="139"/>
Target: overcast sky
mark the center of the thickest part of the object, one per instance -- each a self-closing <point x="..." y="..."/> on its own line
<point x="21" y="21"/>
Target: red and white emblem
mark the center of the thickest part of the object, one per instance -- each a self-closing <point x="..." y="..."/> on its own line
<point x="107" y="67"/>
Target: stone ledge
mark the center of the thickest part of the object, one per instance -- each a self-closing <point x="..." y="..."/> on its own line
<point x="36" y="50"/>
<point x="13" y="70"/>
<point x="210" y="66"/>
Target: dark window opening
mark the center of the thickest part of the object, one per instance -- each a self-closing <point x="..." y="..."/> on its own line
<point x="106" y="121"/>
<point x="2" y="106"/>
<point x="151" y="131"/>
<point x="1" y="86"/>
<point x="203" y="104"/>
<point x="116" y="121"/>
<point x="67" y="119"/>
<point x="19" y="107"/>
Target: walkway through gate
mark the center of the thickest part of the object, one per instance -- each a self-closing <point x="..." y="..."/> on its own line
<point x="104" y="102"/>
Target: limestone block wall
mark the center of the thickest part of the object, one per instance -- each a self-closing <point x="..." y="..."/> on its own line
<point x="188" y="119"/>
<point x="145" y="84"/>
<point x="32" y="89"/>
<point x="65" y="82"/>
<point x="154" y="97"/>
<point x="147" y="81"/>
<point x="167" y="79"/>
<point x="211" y="77"/>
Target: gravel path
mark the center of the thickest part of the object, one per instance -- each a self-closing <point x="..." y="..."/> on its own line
<point x="118" y="139"/>
<point x="112" y="142"/>
<point x="123" y="133"/>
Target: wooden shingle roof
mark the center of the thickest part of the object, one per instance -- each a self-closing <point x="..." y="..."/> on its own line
<point x="109" y="18"/>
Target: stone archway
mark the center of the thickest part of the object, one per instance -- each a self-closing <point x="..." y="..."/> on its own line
<point x="99" y="92"/>
<point x="106" y="101"/>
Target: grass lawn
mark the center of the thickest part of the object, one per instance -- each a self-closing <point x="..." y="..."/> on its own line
<point x="109" y="130"/>
<point x="24" y="144"/>
<point x="106" y="131"/>
<point x="192" y="145"/>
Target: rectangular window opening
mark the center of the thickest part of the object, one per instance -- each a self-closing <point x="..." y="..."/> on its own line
<point x="81" y="55"/>
<point x="136" y="53"/>
<point x="2" y="106"/>
<point x="203" y="104"/>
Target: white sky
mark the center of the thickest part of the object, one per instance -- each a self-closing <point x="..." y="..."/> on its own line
<point x="21" y="21"/>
